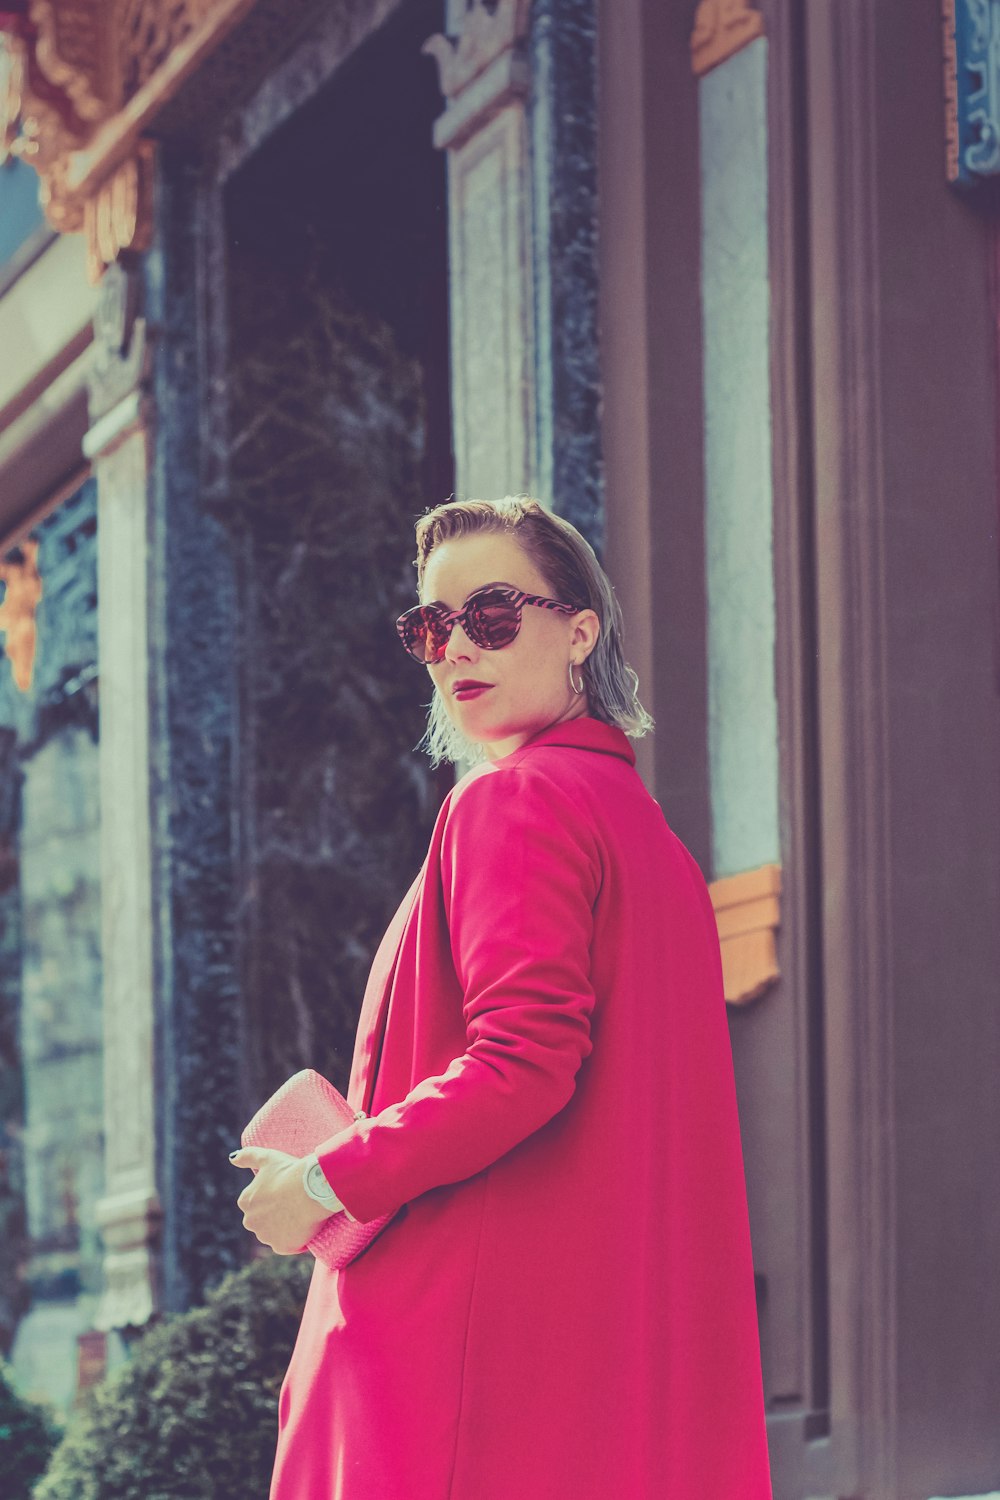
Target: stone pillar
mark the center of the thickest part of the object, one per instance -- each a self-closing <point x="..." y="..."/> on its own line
<point x="563" y="123"/>
<point x="484" y="75"/>
<point x="118" y="446"/>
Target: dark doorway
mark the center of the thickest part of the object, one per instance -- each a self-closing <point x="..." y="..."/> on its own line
<point x="338" y="435"/>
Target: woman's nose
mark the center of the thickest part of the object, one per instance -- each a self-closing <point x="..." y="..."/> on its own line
<point x="459" y="647"/>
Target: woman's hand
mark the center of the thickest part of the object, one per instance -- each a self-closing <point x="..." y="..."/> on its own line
<point x="276" y="1207"/>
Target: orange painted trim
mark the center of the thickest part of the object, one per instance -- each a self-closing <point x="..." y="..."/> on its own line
<point x="748" y="914"/>
<point x="722" y="28"/>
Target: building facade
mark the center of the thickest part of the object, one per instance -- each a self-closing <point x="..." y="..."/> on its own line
<point x="715" y="280"/>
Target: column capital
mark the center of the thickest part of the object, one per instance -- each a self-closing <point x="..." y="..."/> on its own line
<point x="121" y="359"/>
<point x="481" y="69"/>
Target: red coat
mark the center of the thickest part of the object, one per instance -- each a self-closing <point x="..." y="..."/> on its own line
<point x="564" y="1309"/>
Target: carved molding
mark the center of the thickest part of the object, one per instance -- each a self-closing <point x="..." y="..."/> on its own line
<point x="748" y="914"/>
<point x="482" y="69"/>
<point x="17" y="612"/>
<point x="82" y="81"/>
<point x="721" y="28"/>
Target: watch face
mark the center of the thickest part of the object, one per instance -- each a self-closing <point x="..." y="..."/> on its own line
<point x="318" y="1184"/>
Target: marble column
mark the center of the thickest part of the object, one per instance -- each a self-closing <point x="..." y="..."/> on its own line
<point x="118" y="446"/>
<point x="485" y="76"/>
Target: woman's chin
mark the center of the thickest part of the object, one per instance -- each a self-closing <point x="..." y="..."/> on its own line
<point x="471" y="710"/>
<point x="477" y="724"/>
<point x="477" y="728"/>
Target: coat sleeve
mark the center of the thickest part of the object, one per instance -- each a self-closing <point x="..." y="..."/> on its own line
<point x="520" y="875"/>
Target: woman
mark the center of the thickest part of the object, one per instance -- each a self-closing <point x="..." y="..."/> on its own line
<point x="564" y="1307"/>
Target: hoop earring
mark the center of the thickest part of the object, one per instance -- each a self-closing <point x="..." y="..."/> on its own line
<point x="572" y="683"/>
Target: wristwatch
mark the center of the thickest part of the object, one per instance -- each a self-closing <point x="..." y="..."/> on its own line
<point x="315" y="1183"/>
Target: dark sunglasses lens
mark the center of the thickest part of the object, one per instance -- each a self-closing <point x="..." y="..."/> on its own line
<point x="492" y="620"/>
<point x="422" y="634"/>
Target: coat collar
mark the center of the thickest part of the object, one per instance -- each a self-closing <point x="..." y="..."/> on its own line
<point x="584" y="733"/>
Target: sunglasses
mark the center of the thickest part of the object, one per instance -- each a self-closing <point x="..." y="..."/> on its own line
<point x="490" y="617"/>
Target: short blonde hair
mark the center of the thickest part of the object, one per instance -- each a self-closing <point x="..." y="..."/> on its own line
<point x="573" y="574"/>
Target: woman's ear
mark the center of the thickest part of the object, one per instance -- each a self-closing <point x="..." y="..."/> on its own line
<point x="586" y="629"/>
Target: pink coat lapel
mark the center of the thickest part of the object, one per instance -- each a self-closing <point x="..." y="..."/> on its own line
<point x="377" y="991"/>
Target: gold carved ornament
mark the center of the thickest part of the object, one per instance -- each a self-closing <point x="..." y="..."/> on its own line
<point x="17" y="612"/>
<point x="721" y="28"/>
<point x="58" y="86"/>
<point x="80" y="82"/>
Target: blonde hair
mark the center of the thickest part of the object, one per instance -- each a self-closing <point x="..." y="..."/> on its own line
<point x="573" y="574"/>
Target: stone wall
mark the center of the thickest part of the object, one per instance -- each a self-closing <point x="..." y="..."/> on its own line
<point x="51" y="977"/>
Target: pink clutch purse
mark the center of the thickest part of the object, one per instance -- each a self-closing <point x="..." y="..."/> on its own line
<point x="301" y="1115"/>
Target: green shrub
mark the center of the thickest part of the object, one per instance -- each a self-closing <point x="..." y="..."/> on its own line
<point x="27" y="1438"/>
<point x="193" y="1414"/>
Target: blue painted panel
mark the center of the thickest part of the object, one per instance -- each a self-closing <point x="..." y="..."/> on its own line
<point x="20" y="214"/>
<point x="743" y="710"/>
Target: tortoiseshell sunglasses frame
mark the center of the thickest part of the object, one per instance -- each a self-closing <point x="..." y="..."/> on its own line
<point x="433" y="617"/>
